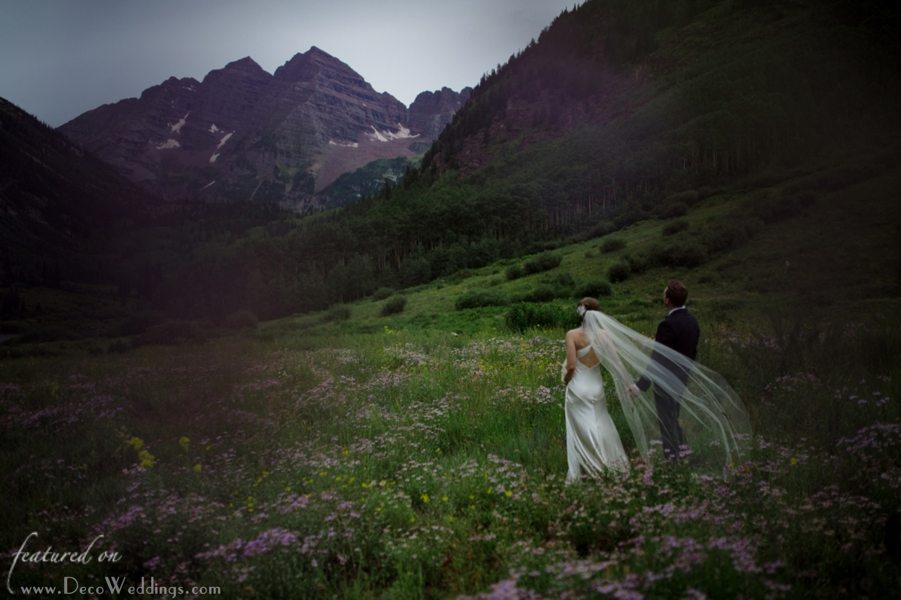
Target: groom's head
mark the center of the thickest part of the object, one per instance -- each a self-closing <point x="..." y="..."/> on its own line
<point x="675" y="294"/>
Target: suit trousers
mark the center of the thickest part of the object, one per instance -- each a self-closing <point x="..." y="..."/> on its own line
<point x="670" y="430"/>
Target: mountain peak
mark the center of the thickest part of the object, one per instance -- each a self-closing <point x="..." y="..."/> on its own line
<point x="303" y="65"/>
<point x="318" y="50"/>
<point x="244" y="64"/>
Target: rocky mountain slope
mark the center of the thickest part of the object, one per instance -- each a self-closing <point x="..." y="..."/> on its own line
<point x="245" y="134"/>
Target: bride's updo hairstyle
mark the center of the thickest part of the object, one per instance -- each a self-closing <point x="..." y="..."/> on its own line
<point x="589" y="303"/>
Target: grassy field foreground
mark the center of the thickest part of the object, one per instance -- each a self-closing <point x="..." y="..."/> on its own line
<point x="402" y="464"/>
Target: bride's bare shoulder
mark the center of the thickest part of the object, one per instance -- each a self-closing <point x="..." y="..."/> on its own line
<point x="575" y="334"/>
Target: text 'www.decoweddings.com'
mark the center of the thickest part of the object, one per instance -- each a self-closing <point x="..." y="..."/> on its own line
<point x="111" y="585"/>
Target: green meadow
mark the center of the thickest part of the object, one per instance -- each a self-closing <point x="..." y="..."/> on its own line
<point x="420" y="453"/>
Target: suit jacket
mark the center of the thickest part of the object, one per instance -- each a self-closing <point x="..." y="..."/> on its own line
<point x="679" y="331"/>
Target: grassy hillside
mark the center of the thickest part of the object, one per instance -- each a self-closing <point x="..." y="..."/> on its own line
<point x="421" y="454"/>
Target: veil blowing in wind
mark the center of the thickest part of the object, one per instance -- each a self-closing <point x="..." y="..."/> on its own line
<point x="714" y="419"/>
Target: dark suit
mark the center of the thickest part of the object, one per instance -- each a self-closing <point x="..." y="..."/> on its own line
<point x="679" y="331"/>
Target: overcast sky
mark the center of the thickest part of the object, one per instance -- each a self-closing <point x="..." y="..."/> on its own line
<point x="59" y="58"/>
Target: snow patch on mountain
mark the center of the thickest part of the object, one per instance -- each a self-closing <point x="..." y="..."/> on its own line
<point x="176" y="128"/>
<point x="224" y="139"/>
<point x="169" y="144"/>
<point x="208" y="185"/>
<point x="344" y="144"/>
<point x="402" y="133"/>
<point x="214" y="129"/>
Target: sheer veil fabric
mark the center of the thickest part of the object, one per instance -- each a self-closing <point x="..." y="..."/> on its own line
<point x="715" y="422"/>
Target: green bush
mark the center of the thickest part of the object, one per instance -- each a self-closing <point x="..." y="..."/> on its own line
<point x="458" y="276"/>
<point x="338" y="312"/>
<point x="638" y="263"/>
<point x="559" y="280"/>
<point x="674" y="227"/>
<point x="687" y="254"/>
<point x="722" y="236"/>
<point x="382" y="293"/>
<point x="394" y="305"/>
<point x="542" y="293"/>
<point x="540" y="263"/>
<point x="619" y="272"/>
<point x="594" y="289"/>
<point x="672" y="210"/>
<point x="612" y="245"/>
<point x="525" y="316"/>
<point x="602" y="228"/>
<point x="514" y="272"/>
<point x="476" y="298"/>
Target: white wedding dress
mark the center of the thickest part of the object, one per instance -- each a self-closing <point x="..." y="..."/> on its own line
<point x="593" y="444"/>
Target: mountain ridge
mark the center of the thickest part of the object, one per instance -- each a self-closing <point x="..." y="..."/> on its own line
<point x="242" y="133"/>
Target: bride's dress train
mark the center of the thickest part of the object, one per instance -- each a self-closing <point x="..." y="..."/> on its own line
<point x="593" y="444"/>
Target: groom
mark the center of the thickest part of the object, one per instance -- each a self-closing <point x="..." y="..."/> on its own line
<point x="679" y="331"/>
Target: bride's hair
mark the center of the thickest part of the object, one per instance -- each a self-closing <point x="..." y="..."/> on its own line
<point x="587" y="303"/>
<point x="590" y="303"/>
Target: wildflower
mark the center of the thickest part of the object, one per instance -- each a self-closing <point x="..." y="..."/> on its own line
<point x="184" y="441"/>
<point x="197" y="468"/>
<point x="424" y="498"/>
<point x="145" y="459"/>
<point x="136" y="443"/>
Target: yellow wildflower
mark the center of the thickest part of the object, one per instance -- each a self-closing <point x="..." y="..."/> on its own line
<point x="145" y="459"/>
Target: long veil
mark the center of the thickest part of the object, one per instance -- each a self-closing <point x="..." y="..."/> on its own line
<point x="716" y="426"/>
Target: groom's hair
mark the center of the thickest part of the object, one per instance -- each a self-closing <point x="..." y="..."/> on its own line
<point x="676" y="292"/>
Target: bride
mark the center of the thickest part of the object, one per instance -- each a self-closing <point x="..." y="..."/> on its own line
<point x="715" y="422"/>
<point x="592" y="441"/>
